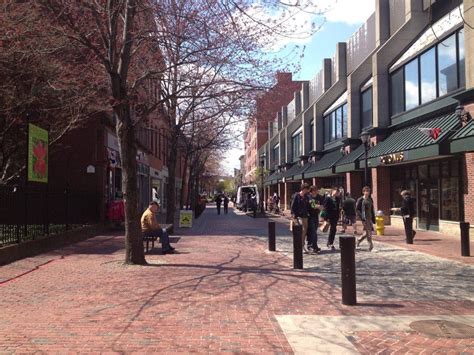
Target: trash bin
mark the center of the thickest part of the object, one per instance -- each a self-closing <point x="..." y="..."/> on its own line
<point x="379" y="223"/>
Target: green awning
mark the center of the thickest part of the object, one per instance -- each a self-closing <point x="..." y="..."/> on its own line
<point x="408" y="144"/>
<point x="463" y="140"/>
<point x="273" y="178"/>
<point x="295" y="172"/>
<point x="324" y="166"/>
<point x="350" y="162"/>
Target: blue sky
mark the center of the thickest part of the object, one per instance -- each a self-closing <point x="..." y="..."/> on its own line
<point x="342" y="20"/>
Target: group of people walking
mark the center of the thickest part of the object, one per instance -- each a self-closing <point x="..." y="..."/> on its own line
<point x="222" y="199"/>
<point x="309" y="208"/>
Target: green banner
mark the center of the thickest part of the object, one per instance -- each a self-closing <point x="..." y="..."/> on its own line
<point x="37" y="154"/>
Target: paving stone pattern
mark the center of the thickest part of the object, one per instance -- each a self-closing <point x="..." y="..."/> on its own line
<point x="221" y="293"/>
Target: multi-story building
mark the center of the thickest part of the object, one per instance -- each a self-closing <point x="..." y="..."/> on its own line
<point x="267" y="106"/>
<point x="392" y="109"/>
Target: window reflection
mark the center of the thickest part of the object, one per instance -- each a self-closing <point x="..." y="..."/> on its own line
<point x="447" y="69"/>
<point x="428" y="76"/>
<point x="411" y="85"/>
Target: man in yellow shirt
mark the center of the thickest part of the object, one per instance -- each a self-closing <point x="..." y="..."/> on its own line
<point x="151" y="228"/>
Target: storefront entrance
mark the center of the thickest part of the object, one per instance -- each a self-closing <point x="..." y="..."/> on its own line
<point x="428" y="197"/>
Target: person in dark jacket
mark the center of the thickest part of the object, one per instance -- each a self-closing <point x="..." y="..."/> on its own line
<point x="315" y="205"/>
<point x="332" y="215"/>
<point x="218" y="203"/>
<point x="226" y="204"/>
<point x="365" y="210"/>
<point x="408" y="213"/>
<point x="300" y="211"/>
<point x="349" y="213"/>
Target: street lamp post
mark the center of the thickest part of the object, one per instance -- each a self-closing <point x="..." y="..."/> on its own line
<point x="262" y="166"/>
<point x="365" y="138"/>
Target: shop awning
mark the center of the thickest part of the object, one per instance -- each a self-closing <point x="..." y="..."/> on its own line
<point x="350" y="162"/>
<point x="408" y="144"/>
<point x="273" y="178"/>
<point x="294" y="169"/>
<point x="324" y="166"/>
<point x="463" y="140"/>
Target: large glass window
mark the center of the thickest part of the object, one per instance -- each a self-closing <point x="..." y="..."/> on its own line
<point x="311" y="136"/>
<point x="397" y="98"/>
<point x="428" y="75"/>
<point x="276" y="155"/>
<point x="436" y="72"/>
<point x="296" y="145"/>
<point x="335" y="124"/>
<point x="461" y="67"/>
<point x="411" y="85"/>
<point x="366" y="109"/>
<point x="447" y="69"/>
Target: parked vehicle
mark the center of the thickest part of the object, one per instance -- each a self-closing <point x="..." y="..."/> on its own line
<point x="248" y="197"/>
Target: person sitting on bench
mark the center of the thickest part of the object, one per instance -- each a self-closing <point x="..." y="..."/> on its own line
<point x="151" y="229"/>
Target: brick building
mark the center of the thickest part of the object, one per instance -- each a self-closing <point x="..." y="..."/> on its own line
<point x="267" y="107"/>
<point x="402" y="90"/>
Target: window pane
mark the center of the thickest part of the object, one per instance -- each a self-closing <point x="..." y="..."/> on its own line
<point x="411" y="85"/>
<point x="397" y="92"/>
<point x="311" y="136"/>
<point x="462" y="74"/>
<point x="326" y="129"/>
<point x="332" y="120"/>
<point x="344" y="120"/>
<point x="338" y="114"/>
<point x="450" y="199"/>
<point x="428" y="76"/>
<point x="367" y="109"/>
<point x="447" y="68"/>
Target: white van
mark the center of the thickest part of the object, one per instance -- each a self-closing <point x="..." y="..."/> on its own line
<point x="243" y="193"/>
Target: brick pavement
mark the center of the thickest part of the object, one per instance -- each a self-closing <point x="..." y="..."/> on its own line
<point x="221" y="293"/>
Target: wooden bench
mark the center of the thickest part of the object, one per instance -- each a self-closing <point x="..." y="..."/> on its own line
<point x="147" y="240"/>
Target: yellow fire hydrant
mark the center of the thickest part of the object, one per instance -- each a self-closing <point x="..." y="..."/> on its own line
<point x="379" y="223"/>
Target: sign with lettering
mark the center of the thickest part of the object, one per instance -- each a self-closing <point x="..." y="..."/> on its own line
<point x="185" y="219"/>
<point x="37" y="154"/>
<point x="392" y="158"/>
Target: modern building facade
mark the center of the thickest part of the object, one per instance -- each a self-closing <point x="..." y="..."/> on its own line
<point x="392" y="109"/>
<point x="267" y="106"/>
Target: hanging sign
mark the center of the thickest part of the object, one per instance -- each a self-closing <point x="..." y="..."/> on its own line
<point x="392" y="158"/>
<point x="185" y="219"/>
<point x="37" y="154"/>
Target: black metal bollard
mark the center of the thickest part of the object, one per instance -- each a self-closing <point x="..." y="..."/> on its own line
<point x="465" y="247"/>
<point x="348" y="277"/>
<point x="297" y="247"/>
<point x="271" y="236"/>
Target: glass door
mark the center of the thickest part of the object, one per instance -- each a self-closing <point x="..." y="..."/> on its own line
<point x="428" y="197"/>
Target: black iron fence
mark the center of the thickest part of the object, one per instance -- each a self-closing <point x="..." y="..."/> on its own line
<point x="34" y="212"/>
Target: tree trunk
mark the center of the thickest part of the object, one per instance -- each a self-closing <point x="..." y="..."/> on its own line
<point x="183" y="180"/>
<point x="170" y="202"/>
<point x="128" y="153"/>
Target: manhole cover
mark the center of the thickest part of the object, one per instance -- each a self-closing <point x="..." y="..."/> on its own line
<point x="443" y="328"/>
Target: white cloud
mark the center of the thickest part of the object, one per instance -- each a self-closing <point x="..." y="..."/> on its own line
<point x="349" y="11"/>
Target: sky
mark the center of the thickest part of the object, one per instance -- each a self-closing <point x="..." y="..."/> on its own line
<point x="343" y="18"/>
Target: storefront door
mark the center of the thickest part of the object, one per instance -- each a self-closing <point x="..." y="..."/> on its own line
<point x="428" y="197"/>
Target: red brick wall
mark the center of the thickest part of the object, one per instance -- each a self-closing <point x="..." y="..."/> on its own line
<point x="468" y="188"/>
<point x="354" y="182"/>
<point x="381" y="190"/>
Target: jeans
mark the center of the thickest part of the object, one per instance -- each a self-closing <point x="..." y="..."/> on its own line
<point x="332" y="231"/>
<point x="408" y="223"/>
<point x="313" y="232"/>
<point x="226" y="209"/>
<point x="158" y="233"/>
<point x="218" y="208"/>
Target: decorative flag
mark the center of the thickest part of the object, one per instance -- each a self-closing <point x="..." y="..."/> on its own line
<point x="433" y="133"/>
<point x="37" y="154"/>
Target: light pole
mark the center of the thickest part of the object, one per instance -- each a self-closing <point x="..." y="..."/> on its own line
<point x="262" y="166"/>
<point x="365" y="138"/>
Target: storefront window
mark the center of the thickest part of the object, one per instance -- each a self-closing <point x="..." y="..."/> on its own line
<point x="450" y="199"/>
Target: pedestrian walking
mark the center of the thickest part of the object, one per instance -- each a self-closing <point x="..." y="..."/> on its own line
<point x="315" y="206"/>
<point x="152" y="229"/>
<point x="300" y="211"/>
<point x="276" y="202"/>
<point x="365" y="210"/>
<point x="218" y="203"/>
<point x="408" y="213"/>
<point x="349" y="214"/>
<point x="332" y="215"/>
<point x="226" y="204"/>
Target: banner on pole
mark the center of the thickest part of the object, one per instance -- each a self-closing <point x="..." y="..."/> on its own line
<point x="186" y="219"/>
<point x="37" y="154"/>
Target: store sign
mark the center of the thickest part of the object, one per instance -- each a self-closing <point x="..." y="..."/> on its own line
<point x="392" y="158"/>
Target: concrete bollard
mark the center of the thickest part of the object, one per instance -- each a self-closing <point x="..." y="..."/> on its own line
<point x="271" y="236"/>
<point x="348" y="277"/>
<point x="465" y="247"/>
<point x="297" y="247"/>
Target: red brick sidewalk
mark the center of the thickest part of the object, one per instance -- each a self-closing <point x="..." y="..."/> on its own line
<point x="221" y="293"/>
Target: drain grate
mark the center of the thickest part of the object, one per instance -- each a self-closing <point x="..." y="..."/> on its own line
<point x="443" y="329"/>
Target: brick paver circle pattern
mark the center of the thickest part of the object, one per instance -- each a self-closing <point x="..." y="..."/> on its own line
<point x="222" y="293"/>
